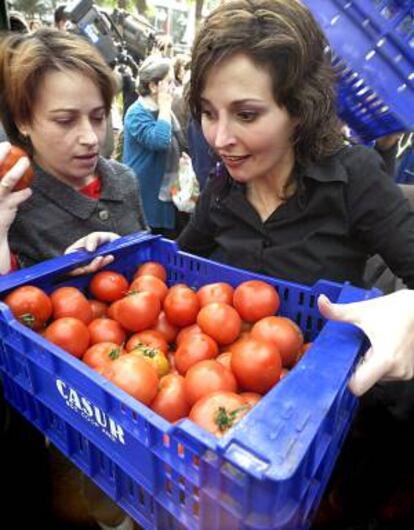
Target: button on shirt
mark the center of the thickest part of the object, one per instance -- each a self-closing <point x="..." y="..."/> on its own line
<point x="345" y="209"/>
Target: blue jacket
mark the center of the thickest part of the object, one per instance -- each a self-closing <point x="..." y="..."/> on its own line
<point x="146" y="143"/>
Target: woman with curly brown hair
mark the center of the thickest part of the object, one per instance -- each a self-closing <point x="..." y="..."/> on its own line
<point x="289" y="199"/>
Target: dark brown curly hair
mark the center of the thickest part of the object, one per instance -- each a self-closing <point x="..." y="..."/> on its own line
<point x="283" y="37"/>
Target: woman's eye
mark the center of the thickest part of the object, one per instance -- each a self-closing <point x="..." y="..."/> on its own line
<point x="207" y="113"/>
<point x="98" y="119"/>
<point x="64" y="121"/>
<point x="247" y="116"/>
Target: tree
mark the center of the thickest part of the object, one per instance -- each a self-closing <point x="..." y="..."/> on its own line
<point x="31" y="7"/>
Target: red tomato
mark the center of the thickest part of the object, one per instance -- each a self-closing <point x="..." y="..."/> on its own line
<point x="13" y="156"/>
<point x="251" y="398"/>
<point x="137" y="311"/>
<point x="256" y="364"/>
<point x="71" y="334"/>
<point x="99" y="309"/>
<point x="106" y="330"/>
<point x="171" y="402"/>
<point x="284" y="333"/>
<point x="218" y="412"/>
<point x="225" y="359"/>
<point x="220" y="321"/>
<point x="148" y="337"/>
<point x="135" y="376"/>
<point x="167" y="330"/>
<point x="193" y="349"/>
<point x="181" y="307"/>
<point x="215" y="292"/>
<point x="100" y="355"/>
<point x="194" y="329"/>
<point x="30" y="305"/>
<point x="112" y="309"/>
<point x="108" y="286"/>
<point x="151" y="284"/>
<point x="206" y="377"/>
<point x="70" y="302"/>
<point x="255" y="299"/>
<point x="152" y="268"/>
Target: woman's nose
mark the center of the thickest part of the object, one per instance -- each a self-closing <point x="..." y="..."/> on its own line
<point x="224" y="135"/>
<point x="88" y="134"/>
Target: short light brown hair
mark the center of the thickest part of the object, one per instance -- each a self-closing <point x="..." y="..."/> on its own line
<point x="26" y="59"/>
<point x="283" y="37"/>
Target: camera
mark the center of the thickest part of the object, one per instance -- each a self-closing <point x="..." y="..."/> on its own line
<point x="121" y="38"/>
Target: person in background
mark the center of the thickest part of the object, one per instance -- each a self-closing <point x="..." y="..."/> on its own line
<point x="56" y="94"/>
<point x="291" y="200"/>
<point x="153" y="143"/>
<point x="62" y="21"/>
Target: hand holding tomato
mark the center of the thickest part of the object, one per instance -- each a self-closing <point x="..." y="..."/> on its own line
<point x="13" y="185"/>
<point x="388" y="321"/>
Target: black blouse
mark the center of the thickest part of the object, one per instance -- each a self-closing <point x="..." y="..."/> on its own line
<point x="345" y="209"/>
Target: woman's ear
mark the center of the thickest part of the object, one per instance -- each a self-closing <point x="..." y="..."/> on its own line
<point x="153" y="86"/>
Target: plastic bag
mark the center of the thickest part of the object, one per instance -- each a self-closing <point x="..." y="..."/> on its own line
<point x="185" y="190"/>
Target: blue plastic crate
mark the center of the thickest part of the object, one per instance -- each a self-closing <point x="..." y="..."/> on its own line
<point x="373" y="50"/>
<point x="268" y="472"/>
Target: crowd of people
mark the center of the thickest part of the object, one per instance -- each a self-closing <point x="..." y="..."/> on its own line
<point x="283" y="193"/>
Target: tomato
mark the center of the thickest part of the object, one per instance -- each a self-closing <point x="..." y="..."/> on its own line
<point x="155" y="357"/>
<point x="284" y="333"/>
<point x="206" y="377"/>
<point x="255" y="299"/>
<point x="181" y="307"/>
<point x="13" y="156"/>
<point x="108" y="286"/>
<point x="106" y="330"/>
<point x="251" y="398"/>
<point x="225" y="359"/>
<point x="100" y="355"/>
<point x="256" y="364"/>
<point x="193" y="349"/>
<point x="30" y="305"/>
<point x="152" y="268"/>
<point x="164" y="326"/>
<point x="194" y="329"/>
<point x="99" y="309"/>
<point x="215" y="292"/>
<point x="110" y="313"/>
<point x="71" y="334"/>
<point x="171" y="402"/>
<point x="70" y="302"/>
<point x="218" y="412"/>
<point x="135" y="376"/>
<point x="220" y="321"/>
<point x="151" y="284"/>
<point x="137" y="311"/>
<point x="148" y="337"/>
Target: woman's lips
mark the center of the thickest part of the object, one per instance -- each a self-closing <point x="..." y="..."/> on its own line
<point x="234" y="161"/>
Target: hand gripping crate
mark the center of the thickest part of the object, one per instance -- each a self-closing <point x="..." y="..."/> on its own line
<point x="373" y="51"/>
<point x="268" y="472"/>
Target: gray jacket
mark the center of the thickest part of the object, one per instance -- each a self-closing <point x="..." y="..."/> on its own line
<point x="56" y="215"/>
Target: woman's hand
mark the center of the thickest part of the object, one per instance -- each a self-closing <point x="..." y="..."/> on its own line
<point x="11" y="200"/>
<point x="388" y="322"/>
<point x="90" y="243"/>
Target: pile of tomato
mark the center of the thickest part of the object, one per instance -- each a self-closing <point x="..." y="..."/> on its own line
<point x="209" y="354"/>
